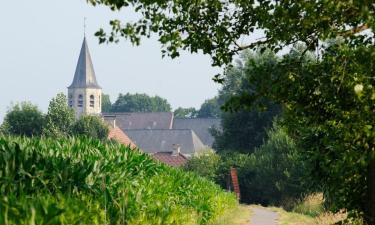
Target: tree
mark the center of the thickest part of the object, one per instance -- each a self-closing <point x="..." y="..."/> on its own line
<point x="91" y="126"/>
<point x="23" y="119"/>
<point x="210" y="108"/>
<point x="328" y="109"/>
<point x="60" y="117"/>
<point x="140" y="103"/>
<point x="106" y="103"/>
<point x="244" y="129"/>
<point x="217" y="27"/>
<point x="185" y="112"/>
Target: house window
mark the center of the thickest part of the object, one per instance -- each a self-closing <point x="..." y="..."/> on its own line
<point x="80" y="100"/>
<point x="92" y="101"/>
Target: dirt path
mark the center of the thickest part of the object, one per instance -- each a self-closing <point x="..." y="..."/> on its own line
<point x="263" y="216"/>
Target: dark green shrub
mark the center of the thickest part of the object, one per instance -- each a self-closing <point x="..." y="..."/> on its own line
<point x="91" y="126"/>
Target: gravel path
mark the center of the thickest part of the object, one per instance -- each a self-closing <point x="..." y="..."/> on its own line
<point x="262" y="216"/>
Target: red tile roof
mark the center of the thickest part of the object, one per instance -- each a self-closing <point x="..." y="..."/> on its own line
<point x="118" y="135"/>
<point x="175" y="160"/>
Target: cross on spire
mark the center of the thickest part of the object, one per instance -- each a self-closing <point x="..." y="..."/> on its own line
<point x="84" y="26"/>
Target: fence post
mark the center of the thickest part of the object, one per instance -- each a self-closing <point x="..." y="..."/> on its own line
<point x="235" y="184"/>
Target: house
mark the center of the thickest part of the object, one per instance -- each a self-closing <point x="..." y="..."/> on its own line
<point x="118" y="135"/>
<point x="164" y="140"/>
<point x="171" y="159"/>
<point x="201" y="126"/>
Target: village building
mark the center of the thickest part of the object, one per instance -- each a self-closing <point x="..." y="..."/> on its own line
<point x="166" y="138"/>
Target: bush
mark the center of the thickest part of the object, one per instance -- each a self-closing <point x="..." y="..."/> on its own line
<point x="85" y="181"/>
<point x="274" y="174"/>
<point x="205" y="164"/>
<point x="91" y="126"/>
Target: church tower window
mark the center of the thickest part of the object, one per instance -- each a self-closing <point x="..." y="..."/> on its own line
<point x="92" y="101"/>
<point x="80" y="100"/>
<point x="70" y="101"/>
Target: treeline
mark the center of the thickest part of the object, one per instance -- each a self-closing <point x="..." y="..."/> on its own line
<point x="146" y="103"/>
<point x="25" y="119"/>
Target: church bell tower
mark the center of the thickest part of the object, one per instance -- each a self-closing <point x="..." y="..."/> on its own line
<point x="84" y="94"/>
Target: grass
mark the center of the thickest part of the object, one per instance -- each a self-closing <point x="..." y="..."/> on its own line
<point x="238" y="216"/>
<point x="311" y="205"/>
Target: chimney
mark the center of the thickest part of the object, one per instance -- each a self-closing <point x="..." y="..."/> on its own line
<point x="176" y="149"/>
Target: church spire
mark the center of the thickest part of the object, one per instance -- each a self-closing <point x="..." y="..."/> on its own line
<point x="84" y="76"/>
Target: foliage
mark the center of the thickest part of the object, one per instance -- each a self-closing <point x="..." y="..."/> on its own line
<point x="85" y="181"/>
<point x="140" y="103"/>
<point x="209" y="109"/>
<point x="218" y="27"/>
<point x="273" y="174"/>
<point x="23" y="119"/>
<point x="91" y="126"/>
<point x="185" y="113"/>
<point x="320" y="98"/>
<point x="106" y="103"/>
<point x="312" y="205"/>
<point x="328" y="109"/>
<point x="205" y="164"/>
<point x="244" y="129"/>
<point x="60" y="117"/>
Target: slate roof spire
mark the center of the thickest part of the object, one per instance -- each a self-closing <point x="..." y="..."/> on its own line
<point x="84" y="76"/>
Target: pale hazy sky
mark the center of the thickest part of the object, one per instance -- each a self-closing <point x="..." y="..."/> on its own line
<point x="39" y="47"/>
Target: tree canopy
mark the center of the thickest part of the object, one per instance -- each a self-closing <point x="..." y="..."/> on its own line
<point x="23" y="119"/>
<point x="245" y="129"/>
<point x="185" y="113"/>
<point x="218" y="27"/>
<point x="210" y="109"/>
<point x="60" y="117"/>
<point x="140" y="103"/>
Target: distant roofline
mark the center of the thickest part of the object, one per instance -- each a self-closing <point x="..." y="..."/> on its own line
<point x="200" y="118"/>
<point x="158" y="130"/>
<point x="132" y="112"/>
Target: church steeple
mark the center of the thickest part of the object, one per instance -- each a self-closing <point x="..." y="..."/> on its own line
<point x="84" y="94"/>
<point x="84" y="76"/>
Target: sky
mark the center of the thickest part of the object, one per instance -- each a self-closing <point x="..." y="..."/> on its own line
<point x="39" y="48"/>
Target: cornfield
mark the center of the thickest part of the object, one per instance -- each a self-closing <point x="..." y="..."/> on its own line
<point x="85" y="181"/>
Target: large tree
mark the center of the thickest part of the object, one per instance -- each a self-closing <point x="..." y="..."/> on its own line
<point x="209" y="109"/>
<point x="140" y="103"/>
<point x="328" y="109"/>
<point x="244" y="129"/>
<point x="23" y="119"/>
<point x="59" y="118"/>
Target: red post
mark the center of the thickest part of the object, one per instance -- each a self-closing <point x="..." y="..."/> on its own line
<point x="236" y="186"/>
